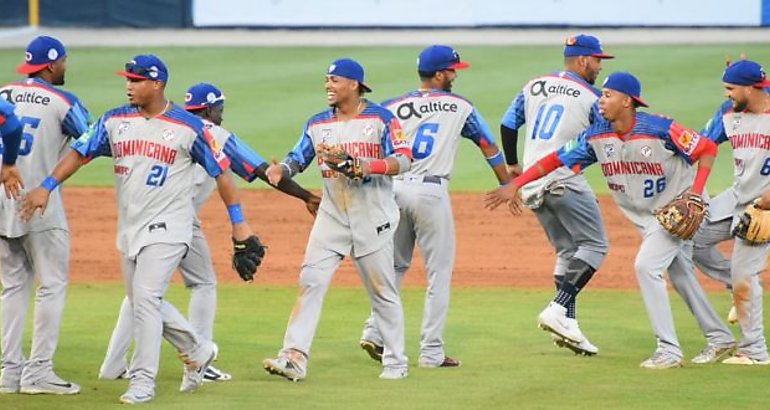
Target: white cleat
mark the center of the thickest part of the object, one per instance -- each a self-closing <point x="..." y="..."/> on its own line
<point x="216" y="375"/>
<point x="193" y="375"/>
<point x="661" y="361"/>
<point x="713" y="354"/>
<point x="391" y="373"/>
<point x="285" y="367"/>
<point x="51" y="384"/>
<point x="740" y="358"/>
<point x="554" y="319"/>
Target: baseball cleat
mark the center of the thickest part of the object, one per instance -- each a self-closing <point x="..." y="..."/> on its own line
<point x="193" y="375"/>
<point x="732" y="315"/>
<point x="9" y="389"/>
<point x="216" y="375"/>
<point x="392" y="373"/>
<point x="447" y="362"/>
<point x="133" y="396"/>
<point x="284" y="367"/>
<point x="660" y="361"/>
<point x="373" y="349"/>
<point x="115" y="376"/>
<point x="713" y="354"/>
<point x="584" y="348"/>
<point x="51" y="384"/>
<point x="740" y="358"/>
<point x="554" y="319"/>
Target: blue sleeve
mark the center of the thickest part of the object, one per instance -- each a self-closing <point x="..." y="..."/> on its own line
<point x="76" y="121"/>
<point x="244" y="161"/>
<point x="477" y="130"/>
<point x="578" y="153"/>
<point x="208" y="154"/>
<point x="514" y="117"/>
<point x="304" y="152"/>
<point x="715" y="127"/>
<point x="95" y="142"/>
<point x="11" y="131"/>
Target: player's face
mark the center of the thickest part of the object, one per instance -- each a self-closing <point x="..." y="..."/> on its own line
<point x="593" y="66"/>
<point x="612" y="103"/>
<point x="141" y="92"/>
<point x="340" y="90"/>
<point x="445" y="78"/>
<point x="215" y="113"/>
<point x="738" y="95"/>
<point x="58" y="69"/>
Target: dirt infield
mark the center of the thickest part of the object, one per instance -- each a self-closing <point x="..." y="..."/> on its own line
<point x="494" y="248"/>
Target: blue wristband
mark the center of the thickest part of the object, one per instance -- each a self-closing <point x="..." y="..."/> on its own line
<point x="496" y="159"/>
<point x="50" y="183"/>
<point x="236" y="213"/>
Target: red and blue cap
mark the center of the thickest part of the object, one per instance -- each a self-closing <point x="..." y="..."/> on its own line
<point x="627" y="84"/>
<point x="349" y="68"/>
<point x="41" y="51"/>
<point x="746" y="72"/>
<point x="439" y="57"/>
<point x="203" y="95"/>
<point x="145" y="67"/>
<point x="584" y="45"/>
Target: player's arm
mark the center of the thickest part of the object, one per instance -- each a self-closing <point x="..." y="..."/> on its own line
<point x="576" y="154"/>
<point x="11" y="130"/>
<point x="398" y="153"/>
<point x="694" y="148"/>
<point x="512" y="120"/>
<point x="477" y="130"/>
<point x="93" y="143"/>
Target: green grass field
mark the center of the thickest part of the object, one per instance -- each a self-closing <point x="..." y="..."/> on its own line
<point x="272" y="91"/>
<point x="508" y="362"/>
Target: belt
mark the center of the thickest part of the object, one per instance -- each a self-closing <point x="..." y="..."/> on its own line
<point x="431" y="179"/>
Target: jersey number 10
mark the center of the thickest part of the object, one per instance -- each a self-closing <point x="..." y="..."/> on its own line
<point x="547" y="120"/>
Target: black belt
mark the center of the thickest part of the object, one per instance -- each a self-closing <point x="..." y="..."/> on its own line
<point x="431" y="179"/>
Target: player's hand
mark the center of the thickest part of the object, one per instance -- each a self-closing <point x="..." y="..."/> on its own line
<point x="37" y="198"/>
<point x="764" y="201"/>
<point x="312" y="204"/>
<point x="10" y="177"/>
<point x="504" y="194"/>
<point x="242" y="231"/>
<point x="274" y="173"/>
<point x="514" y="170"/>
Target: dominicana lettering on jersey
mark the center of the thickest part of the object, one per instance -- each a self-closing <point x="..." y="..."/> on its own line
<point x="144" y="148"/>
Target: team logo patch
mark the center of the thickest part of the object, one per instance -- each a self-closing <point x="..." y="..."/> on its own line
<point x="609" y="150"/>
<point x="369" y="131"/>
<point x="739" y="166"/>
<point x="326" y="134"/>
<point x="646" y="151"/>
<point x="123" y="127"/>
<point x="53" y="55"/>
<point x="687" y="141"/>
<point x="168" y="135"/>
<point x="736" y="122"/>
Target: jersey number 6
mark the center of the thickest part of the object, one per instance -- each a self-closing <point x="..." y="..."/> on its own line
<point x="423" y="140"/>
<point x="26" y="137"/>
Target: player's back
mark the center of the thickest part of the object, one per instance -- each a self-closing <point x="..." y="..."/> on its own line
<point x="557" y="107"/>
<point x="51" y="117"/>
<point x="433" y="122"/>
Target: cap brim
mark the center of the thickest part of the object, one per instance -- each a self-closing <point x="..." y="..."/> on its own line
<point x="25" y="68"/>
<point x="124" y="73"/>
<point x="763" y="83"/>
<point x="640" y="101"/>
<point x="460" y="65"/>
<point x="603" y="55"/>
<point x="194" y="107"/>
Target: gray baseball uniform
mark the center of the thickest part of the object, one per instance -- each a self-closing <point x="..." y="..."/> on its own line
<point x="747" y="133"/>
<point x="356" y="218"/>
<point x="433" y="122"/>
<point x="51" y="116"/>
<point x="196" y="267"/>
<point x="645" y="169"/>
<point x="556" y="107"/>
<point x="154" y="170"/>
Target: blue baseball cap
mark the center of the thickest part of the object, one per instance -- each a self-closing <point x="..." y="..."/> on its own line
<point x="746" y="72"/>
<point x="439" y="57"/>
<point x="203" y="95"/>
<point x="584" y="45"/>
<point x="349" y="68"/>
<point x="627" y="84"/>
<point x="145" y="67"/>
<point x="41" y="51"/>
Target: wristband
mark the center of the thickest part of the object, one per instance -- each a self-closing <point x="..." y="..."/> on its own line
<point x="495" y="160"/>
<point x="236" y="213"/>
<point x="378" y="166"/>
<point x="50" y="183"/>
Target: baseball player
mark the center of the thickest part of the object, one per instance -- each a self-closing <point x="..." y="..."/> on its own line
<point x="434" y="120"/>
<point x="41" y="246"/>
<point x="646" y="161"/>
<point x="10" y="133"/>
<point x="206" y="101"/>
<point x="357" y="216"/>
<point x="556" y="107"/>
<point x="743" y="121"/>
<point x="155" y="145"/>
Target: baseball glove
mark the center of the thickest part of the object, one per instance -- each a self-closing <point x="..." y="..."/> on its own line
<point x="336" y="158"/>
<point x="754" y="225"/>
<point x="247" y="256"/>
<point x="683" y="215"/>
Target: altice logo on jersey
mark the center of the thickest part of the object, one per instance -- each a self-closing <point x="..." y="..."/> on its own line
<point x="25" y="97"/>
<point x="408" y="110"/>
<point x="543" y="88"/>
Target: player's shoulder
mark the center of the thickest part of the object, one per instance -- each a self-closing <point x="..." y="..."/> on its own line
<point x="326" y="115"/>
<point x="376" y="111"/>
<point x="124" y="111"/>
<point x="726" y="107"/>
<point x="652" y="123"/>
<point x="178" y="115"/>
<point x="563" y="76"/>
<point x="217" y="130"/>
<point x="6" y="108"/>
<point x="65" y="96"/>
<point x="414" y="94"/>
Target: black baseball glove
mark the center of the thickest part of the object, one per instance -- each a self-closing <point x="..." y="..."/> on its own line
<point x="247" y="256"/>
